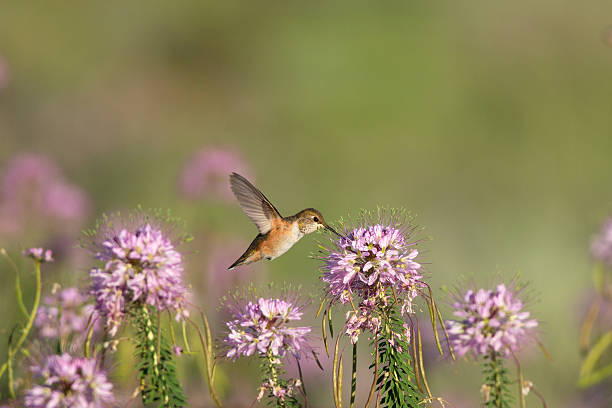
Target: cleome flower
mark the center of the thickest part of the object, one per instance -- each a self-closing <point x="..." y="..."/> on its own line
<point x="32" y="186"/>
<point x="370" y="259"/>
<point x="280" y="391"/>
<point x="141" y="266"/>
<point x="69" y="382"/>
<point x="64" y="313"/>
<point x="262" y="328"/>
<point x="39" y="254"/>
<point x="489" y="321"/>
<point x="373" y="267"/>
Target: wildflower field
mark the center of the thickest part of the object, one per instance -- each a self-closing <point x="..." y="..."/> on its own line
<point x="324" y="205"/>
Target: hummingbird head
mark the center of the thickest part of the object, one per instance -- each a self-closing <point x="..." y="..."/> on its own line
<point x="311" y="220"/>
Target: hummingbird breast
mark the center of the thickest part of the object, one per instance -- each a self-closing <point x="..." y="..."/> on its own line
<point x="281" y="239"/>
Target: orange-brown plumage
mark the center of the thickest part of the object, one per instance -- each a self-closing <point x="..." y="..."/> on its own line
<point x="277" y="234"/>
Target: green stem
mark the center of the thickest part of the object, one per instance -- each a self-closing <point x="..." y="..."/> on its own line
<point x="18" y="292"/>
<point x="88" y="339"/>
<point x="10" y="375"/>
<point x="187" y="347"/>
<point x="30" y="322"/>
<point x="207" y="353"/>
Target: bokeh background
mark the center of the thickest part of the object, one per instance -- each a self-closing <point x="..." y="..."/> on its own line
<point x="491" y="121"/>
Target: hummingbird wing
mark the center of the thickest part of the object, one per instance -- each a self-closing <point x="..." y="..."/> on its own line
<point x="254" y="204"/>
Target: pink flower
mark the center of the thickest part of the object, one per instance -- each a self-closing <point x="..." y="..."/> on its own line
<point x="489" y="321"/>
<point x="205" y="174"/>
<point x="39" y="254"/>
<point x="69" y="382"/>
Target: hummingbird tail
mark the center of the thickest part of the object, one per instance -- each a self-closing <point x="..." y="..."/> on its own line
<point x="246" y="258"/>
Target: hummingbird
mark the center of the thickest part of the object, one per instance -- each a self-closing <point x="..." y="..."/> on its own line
<point x="277" y="234"/>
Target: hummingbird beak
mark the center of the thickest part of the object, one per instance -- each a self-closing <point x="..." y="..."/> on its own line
<point x="327" y="227"/>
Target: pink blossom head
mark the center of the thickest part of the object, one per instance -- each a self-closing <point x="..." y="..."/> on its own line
<point x="264" y="326"/>
<point x="489" y="321"/>
<point x="65" y="313"/>
<point x="67" y="382"/>
<point x="33" y="186"/>
<point x="205" y="174"/>
<point x="140" y="265"/>
<point x="373" y="257"/>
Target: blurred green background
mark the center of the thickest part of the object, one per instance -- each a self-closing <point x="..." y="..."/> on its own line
<point x="492" y="121"/>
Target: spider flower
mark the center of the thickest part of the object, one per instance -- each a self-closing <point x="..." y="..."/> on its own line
<point x="489" y="321"/>
<point x="39" y="254"/>
<point x="371" y="259"/>
<point x="63" y="314"/>
<point x="141" y="266"/>
<point x="278" y="390"/>
<point x="69" y="382"/>
<point x="262" y="328"/>
<point x="601" y="245"/>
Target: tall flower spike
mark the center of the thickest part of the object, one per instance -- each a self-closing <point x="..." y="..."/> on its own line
<point x="489" y="321"/>
<point x="141" y="266"/>
<point x="69" y="382"/>
<point x="372" y="265"/>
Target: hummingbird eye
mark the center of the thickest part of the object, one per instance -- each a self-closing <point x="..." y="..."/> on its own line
<point x="315" y="219"/>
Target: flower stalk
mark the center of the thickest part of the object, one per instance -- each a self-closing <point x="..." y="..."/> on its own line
<point x="32" y="315"/>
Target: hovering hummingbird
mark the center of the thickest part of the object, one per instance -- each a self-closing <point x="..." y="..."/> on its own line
<point x="277" y="234"/>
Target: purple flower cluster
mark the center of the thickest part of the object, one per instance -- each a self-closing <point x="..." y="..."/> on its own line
<point x="263" y="327"/>
<point x="490" y="321"/>
<point x="205" y="174"/>
<point x="69" y="382"/>
<point x="141" y="266"/>
<point x="65" y="314"/>
<point x="601" y="245"/>
<point x="39" y="254"/>
<point x="369" y="260"/>
<point x="365" y="318"/>
<point x="370" y="267"/>
<point x="33" y="185"/>
<point x="279" y="391"/>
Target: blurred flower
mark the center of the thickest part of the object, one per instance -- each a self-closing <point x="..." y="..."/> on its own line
<point x="601" y="245"/>
<point x="39" y="254"/>
<point x="32" y="185"/>
<point x="263" y="328"/>
<point x="141" y="266"/>
<point x="491" y="320"/>
<point x="278" y="390"/>
<point x="206" y="174"/>
<point x="64" y="201"/>
<point x="64" y="314"/>
<point x="607" y="36"/>
<point x="69" y="382"/>
<point x="177" y="350"/>
<point x="4" y="73"/>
